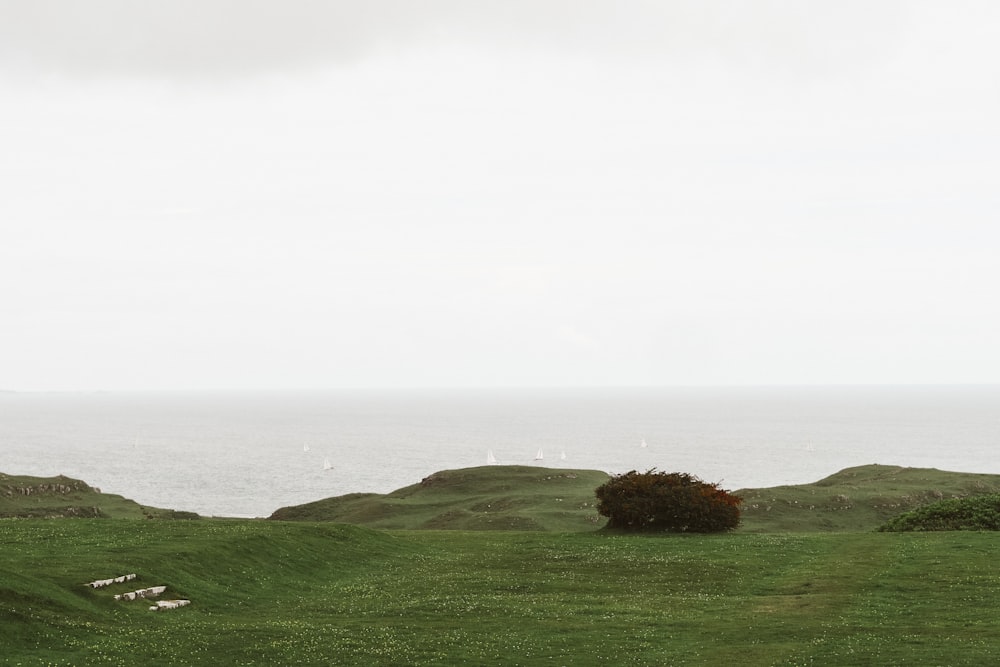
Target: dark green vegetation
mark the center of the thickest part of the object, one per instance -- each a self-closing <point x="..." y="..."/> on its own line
<point x="976" y="513"/>
<point x="268" y="593"/>
<point x="63" y="497"/>
<point x="484" y="498"/>
<point x="666" y="502"/>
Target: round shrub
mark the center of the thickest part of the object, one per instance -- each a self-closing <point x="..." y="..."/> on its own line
<point x="666" y="502"/>
<point x="975" y="513"/>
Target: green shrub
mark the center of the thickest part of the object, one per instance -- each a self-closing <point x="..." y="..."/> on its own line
<point x="975" y="513"/>
<point x="658" y="501"/>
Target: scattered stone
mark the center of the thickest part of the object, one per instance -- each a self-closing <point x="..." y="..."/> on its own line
<point x="150" y="592"/>
<point x="101" y="583"/>
<point x="169" y="604"/>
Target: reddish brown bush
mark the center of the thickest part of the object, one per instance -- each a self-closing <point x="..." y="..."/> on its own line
<point x="659" y="501"/>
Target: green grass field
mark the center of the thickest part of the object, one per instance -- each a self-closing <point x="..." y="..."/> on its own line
<point x="268" y="593"/>
<point x="320" y="593"/>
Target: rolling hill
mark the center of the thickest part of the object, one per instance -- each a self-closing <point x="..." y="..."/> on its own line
<point x="26" y="497"/>
<point x="533" y="498"/>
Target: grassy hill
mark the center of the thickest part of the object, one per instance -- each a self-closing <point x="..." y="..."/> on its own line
<point x="483" y="498"/>
<point x="22" y="496"/>
<point x="860" y="498"/>
<point x="533" y="498"/>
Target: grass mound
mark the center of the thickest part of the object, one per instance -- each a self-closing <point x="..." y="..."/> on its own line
<point x="531" y="498"/>
<point x="976" y="513"/>
<point x="860" y="498"/>
<point x="482" y="498"/>
<point x="235" y="572"/>
<point x="25" y="497"/>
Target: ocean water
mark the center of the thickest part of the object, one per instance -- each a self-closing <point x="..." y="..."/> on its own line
<point x="243" y="454"/>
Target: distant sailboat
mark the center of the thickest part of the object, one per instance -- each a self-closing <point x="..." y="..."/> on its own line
<point x="327" y="465"/>
<point x="305" y="446"/>
<point x="539" y="456"/>
<point x="562" y="455"/>
<point x="643" y="443"/>
<point x="490" y="459"/>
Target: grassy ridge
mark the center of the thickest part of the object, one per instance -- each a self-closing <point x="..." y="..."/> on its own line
<point x="533" y="498"/>
<point x="271" y="592"/>
<point x="860" y="498"/>
<point x="483" y="498"/>
<point x="22" y="496"/>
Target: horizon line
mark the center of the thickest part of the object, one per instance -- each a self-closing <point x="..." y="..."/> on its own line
<point x="553" y="387"/>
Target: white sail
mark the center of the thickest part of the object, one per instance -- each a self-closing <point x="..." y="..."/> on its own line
<point x="327" y="465"/>
<point x="490" y="459"/>
<point x="643" y="443"/>
<point x="305" y="446"/>
<point x="562" y="455"/>
<point x="539" y="456"/>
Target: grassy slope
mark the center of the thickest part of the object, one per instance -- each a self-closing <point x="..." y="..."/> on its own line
<point x="54" y="497"/>
<point x="483" y="498"/>
<point x="532" y="498"/>
<point x="861" y="498"/>
<point x="245" y="575"/>
<point x="268" y="593"/>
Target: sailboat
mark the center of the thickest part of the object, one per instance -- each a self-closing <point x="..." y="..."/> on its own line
<point x="327" y="465"/>
<point x="643" y="443"/>
<point x="539" y="456"/>
<point x="490" y="459"/>
<point x="305" y="446"/>
<point x="562" y="455"/>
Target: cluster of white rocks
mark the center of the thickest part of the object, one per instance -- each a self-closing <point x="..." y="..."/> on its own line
<point x="101" y="583"/>
<point x="150" y="592"/>
<point x="140" y="594"/>
<point x="169" y="604"/>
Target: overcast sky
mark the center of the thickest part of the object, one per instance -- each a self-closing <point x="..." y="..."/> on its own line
<point x="203" y="194"/>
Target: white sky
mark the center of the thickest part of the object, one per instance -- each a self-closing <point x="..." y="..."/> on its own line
<point x="301" y="194"/>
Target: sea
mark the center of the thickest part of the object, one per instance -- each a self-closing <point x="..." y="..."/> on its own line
<point x="246" y="454"/>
